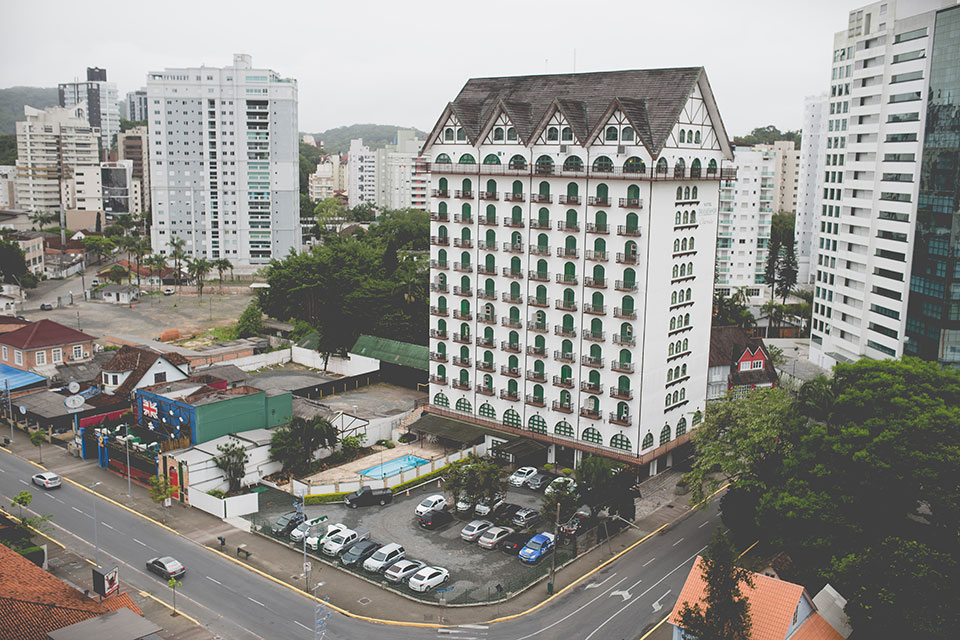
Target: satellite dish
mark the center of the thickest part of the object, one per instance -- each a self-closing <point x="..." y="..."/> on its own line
<point x="23" y="410"/>
<point x="74" y="402"/>
<point x="73" y="387"/>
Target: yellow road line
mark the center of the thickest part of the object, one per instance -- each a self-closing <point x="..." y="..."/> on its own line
<point x="36" y="531"/>
<point x="146" y="594"/>
<point x="657" y="626"/>
<point x="122" y="506"/>
<point x="745" y="551"/>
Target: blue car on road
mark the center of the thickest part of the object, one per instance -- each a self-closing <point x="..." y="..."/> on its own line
<point x="537" y="547"/>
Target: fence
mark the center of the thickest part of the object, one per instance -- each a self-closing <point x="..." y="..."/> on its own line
<point x="225" y="507"/>
<point x="352" y="365"/>
<point x="250" y="363"/>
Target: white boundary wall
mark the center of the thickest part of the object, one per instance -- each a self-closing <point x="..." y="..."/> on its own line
<point x="227" y="507"/>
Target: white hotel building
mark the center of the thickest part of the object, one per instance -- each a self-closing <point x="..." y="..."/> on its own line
<point x="573" y="224"/>
<point x="224" y="162"/>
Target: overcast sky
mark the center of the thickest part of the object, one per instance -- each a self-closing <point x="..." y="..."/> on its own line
<point x="401" y="62"/>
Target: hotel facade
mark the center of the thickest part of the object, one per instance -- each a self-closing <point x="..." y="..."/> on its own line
<point x="573" y="240"/>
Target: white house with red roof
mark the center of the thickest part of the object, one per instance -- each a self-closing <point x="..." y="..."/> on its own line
<point x="43" y="343"/>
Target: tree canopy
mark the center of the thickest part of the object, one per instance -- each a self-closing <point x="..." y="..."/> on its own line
<point x="293" y="444"/>
<point x="13" y="265"/>
<point x="768" y="135"/>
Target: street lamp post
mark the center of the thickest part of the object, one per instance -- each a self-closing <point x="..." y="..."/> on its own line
<point x="319" y="625"/>
<point x="96" y="541"/>
<point x="126" y="446"/>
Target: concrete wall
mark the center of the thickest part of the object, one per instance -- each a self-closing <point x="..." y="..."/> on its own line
<point x="353" y="365"/>
<point x="224" y="508"/>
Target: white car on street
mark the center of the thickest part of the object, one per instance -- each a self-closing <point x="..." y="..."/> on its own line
<point x="46" y="480"/>
<point x="435" y="502"/>
<point x="315" y="542"/>
<point x="518" y="477"/>
<point x="428" y="578"/>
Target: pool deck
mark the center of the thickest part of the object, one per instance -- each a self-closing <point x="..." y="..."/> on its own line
<point x="352" y="469"/>
<point x="412" y="463"/>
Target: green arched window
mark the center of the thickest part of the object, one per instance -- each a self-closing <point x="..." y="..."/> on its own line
<point x="467" y="159"/>
<point x="566" y="134"/>
<point x="573" y="163"/>
<point x="712" y="167"/>
<point x="512" y="419"/>
<point x="491" y="158"/>
<point x="634" y="165"/>
<point x="681" y="427"/>
<point x="464" y="405"/>
<point x="544" y="189"/>
<point x="665" y="435"/>
<point x="492" y="184"/>
<point x="591" y="435"/>
<point x="563" y="428"/>
<point x="441" y="400"/>
<point x="625" y="356"/>
<point x="498" y="134"/>
<point x="488" y="411"/>
<point x="461" y="135"/>
<point x="511" y="134"/>
<point x="518" y="162"/>
<point x="553" y="134"/>
<point x="662" y="166"/>
<point x="442" y="184"/>
<point x="537" y="424"/>
<point x="442" y="158"/>
<point x="620" y="441"/>
<point x="626" y="134"/>
<point x="611" y="134"/>
<point x="603" y="164"/>
<point x="633" y="192"/>
<point x="448" y="134"/>
<point x="602" y="191"/>
<point x="647" y="441"/>
<point x="466" y="185"/>
<point x="544" y="165"/>
<point x="695" y="168"/>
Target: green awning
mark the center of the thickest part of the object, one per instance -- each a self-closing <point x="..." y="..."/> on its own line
<point x="454" y="430"/>
<point x="415" y="356"/>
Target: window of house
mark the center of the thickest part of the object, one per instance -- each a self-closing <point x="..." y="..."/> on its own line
<point x="745" y="366"/>
<point x="4" y="353"/>
<point x="40" y="357"/>
<point x="757" y="364"/>
<point x="18" y="357"/>
<point x="160" y="376"/>
<point x="77" y="351"/>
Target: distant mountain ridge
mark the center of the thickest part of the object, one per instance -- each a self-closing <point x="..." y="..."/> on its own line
<point x="375" y="136"/>
<point x="12" y="100"/>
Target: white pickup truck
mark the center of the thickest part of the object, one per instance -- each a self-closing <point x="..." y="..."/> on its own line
<point x="342" y="540"/>
<point x="316" y="541"/>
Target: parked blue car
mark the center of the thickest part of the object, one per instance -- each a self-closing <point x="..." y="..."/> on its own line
<point x="537" y="547"/>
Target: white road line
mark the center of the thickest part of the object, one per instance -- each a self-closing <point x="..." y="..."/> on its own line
<point x="594" y="585"/>
<point x="704" y="524"/>
<point x="77" y="510"/>
<point x="648" y="562"/>
<point x="256" y="602"/>
<point x="649" y="589"/>
<point x="106" y="525"/>
<point x="302" y="625"/>
<point x="22" y="481"/>
<point x="574" y="612"/>
<point x="138" y="542"/>
<point x="678" y="542"/>
<point x="473" y="626"/>
<point x="212" y="580"/>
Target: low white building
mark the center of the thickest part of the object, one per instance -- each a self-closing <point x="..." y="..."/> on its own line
<point x="135" y="367"/>
<point x="120" y="293"/>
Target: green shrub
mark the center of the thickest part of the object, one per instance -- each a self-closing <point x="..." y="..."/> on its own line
<point x="407" y="438"/>
<point x="548" y="467"/>
<point x="389" y="444"/>
<point x="216" y="493"/>
<point x="566" y="471"/>
<point x="433" y="475"/>
<point x="325" y="498"/>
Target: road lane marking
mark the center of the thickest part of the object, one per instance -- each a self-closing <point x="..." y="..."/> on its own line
<point x="656" y="605"/>
<point x="212" y="580"/>
<point x="594" y="585"/>
<point x="22" y="481"/>
<point x="649" y="589"/>
<point x="77" y="510"/>
<point x="648" y="562"/>
<point x="138" y="542"/>
<point x="574" y="612"/>
<point x="625" y="593"/>
<point x="704" y="524"/>
<point x="106" y="525"/>
<point x="256" y="602"/>
<point x="473" y="626"/>
<point x="302" y="625"/>
<point x="678" y="542"/>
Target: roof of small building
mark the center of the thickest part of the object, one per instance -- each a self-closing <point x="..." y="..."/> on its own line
<point x="17" y="379"/>
<point x="13" y="320"/>
<point x="137" y="360"/>
<point x="120" y="288"/>
<point x="385" y="350"/>
<point x="772" y="605"/>
<point x="229" y="372"/>
<point x="118" y="624"/>
<point x="43" y="333"/>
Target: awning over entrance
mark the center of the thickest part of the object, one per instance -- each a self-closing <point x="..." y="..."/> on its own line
<point x="520" y="448"/>
<point x="454" y="430"/>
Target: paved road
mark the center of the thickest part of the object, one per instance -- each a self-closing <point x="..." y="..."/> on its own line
<point x="617" y="603"/>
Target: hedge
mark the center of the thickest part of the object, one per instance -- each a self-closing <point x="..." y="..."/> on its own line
<point x="324" y="498"/>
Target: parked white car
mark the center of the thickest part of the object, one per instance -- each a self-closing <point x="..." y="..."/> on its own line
<point x="518" y="477"/>
<point x="483" y="509"/>
<point x="403" y="570"/>
<point x="342" y="540"/>
<point x="315" y="542"/>
<point x="428" y="578"/>
<point x="384" y="557"/>
<point x="558" y="482"/>
<point x="304" y="528"/>
<point x="435" y="502"/>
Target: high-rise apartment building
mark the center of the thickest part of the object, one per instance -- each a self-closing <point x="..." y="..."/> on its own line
<point x="8" y="192"/>
<point x="362" y="172"/>
<point x="329" y="178"/>
<point x="134" y="145"/>
<point x="865" y="271"/>
<point x="51" y="145"/>
<point x="224" y="162"/>
<point x="136" y="102"/>
<point x="108" y="187"/>
<point x="786" y="177"/>
<point x="573" y="227"/>
<point x="812" y="154"/>
<point x="400" y="182"/>
<point x="100" y="96"/>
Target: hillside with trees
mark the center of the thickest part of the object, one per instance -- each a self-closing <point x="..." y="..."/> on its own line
<point x="13" y="99"/>
<point x="375" y="136"/>
<point x="768" y="135"/>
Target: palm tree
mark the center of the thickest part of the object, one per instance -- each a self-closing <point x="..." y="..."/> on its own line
<point x="157" y="263"/>
<point x="198" y="269"/>
<point x="178" y="254"/>
<point x="221" y="265"/>
<point x="42" y="219"/>
<point x="140" y="247"/>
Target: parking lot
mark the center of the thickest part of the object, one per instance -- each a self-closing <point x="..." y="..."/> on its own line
<point x="474" y="571"/>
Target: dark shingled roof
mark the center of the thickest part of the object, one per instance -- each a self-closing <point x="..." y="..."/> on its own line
<point x="651" y="98"/>
<point x="728" y="344"/>
<point x="138" y="360"/>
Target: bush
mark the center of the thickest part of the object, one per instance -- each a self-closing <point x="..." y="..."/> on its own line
<point x="389" y="444"/>
<point x="217" y="493"/>
<point x="433" y="475"/>
<point x="566" y="471"/>
<point x="548" y="467"/>
<point x="407" y="438"/>
<point x="325" y="498"/>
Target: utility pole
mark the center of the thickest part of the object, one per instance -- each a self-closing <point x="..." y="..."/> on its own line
<point x="553" y="556"/>
<point x="6" y="391"/>
<point x="96" y="541"/>
<point x="126" y="445"/>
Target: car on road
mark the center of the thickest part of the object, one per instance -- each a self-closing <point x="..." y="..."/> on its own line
<point x="434" y="519"/>
<point x="169" y="291"/>
<point x="518" y="477"/>
<point x="484" y="509"/>
<point x="287" y="523"/>
<point x="506" y="511"/>
<point x="435" y="502"/>
<point x="384" y="557"/>
<point x="513" y="542"/>
<point x="166" y="567"/>
<point x="46" y="479"/>
<point x="341" y="541"/>
<point x="428" y="578"/>
<point x="537" y="547"/>
<point x="400" y="571"/>
<point x="358" y="552"/>
<point x="475" y="529"/>
<point x="367" y="496"/>
<point x="539" y="481"/>
<point x="570" y="483"/>
<point x="526" y="518"/>
<point x="493" y="537"/>
<point x="46" y="306"/>
<point x="305" y="528"/>
<point x="315" y="542"/>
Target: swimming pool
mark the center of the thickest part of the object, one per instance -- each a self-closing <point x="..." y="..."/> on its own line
<point x="393" y="467"/>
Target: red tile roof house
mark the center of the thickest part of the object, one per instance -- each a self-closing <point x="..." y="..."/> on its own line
<point x="738" y="363"/>
<point x="44" y="342"/>
<point x="135" y="367"/>
<point x="34" y="602"/>
<point x="779" y="610"/>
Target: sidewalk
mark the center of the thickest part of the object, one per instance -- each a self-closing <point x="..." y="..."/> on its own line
<point x="344" y="590"/>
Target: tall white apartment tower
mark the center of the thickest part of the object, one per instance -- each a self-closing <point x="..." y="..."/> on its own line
<point x="224" y="162"/>
<point x="812" y="155"/>
<point x="868" y="216"/>
<point x="400" y="184"/>
<point x="362" y="175"/>
<point x="101" y="100"/>
<point x="573" y="227"/>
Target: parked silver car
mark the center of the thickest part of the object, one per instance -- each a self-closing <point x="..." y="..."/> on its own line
<point x="475" y="529"/>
